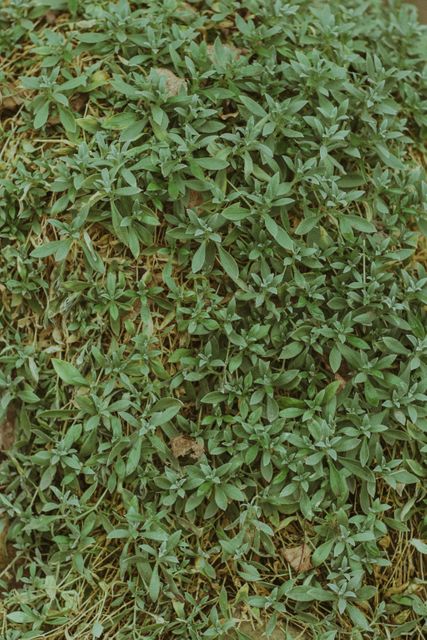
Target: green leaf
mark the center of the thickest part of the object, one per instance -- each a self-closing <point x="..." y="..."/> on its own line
<point x="229" y="263"/>
<point x="331" y="391"/>
<point x="47" y="477"/>
<point x="28" y="396"/>
<point x="338" y="482"/>
<point x="88" y="123"/>
<point x="403" y="477"/>
<point x="134" y="457"/>
<point x="360" y="224"/>
<point x="221" y="498"/>
<point x="161" y="417"/>
<point x="291" y="350"/>
<point x="119" y="121"/>
<point x="214" y="397"/>
<point x="198" y="259"/>
<point x="20" y="617"/>
<point x="307" y="224"/>
<point x="41" y="115"/>
<point x="212" y="164"/>
<point x="419" y="545"/>
<point x="90" y="254"/>
<point x="118" y="534"/>
<point x="400" y="254"/>
<point x="335" y="359"/>
<point x="58" y="248"/>
<point x="154" y="587"/>
<point x="249" y="572"/>
<point x="304" y="593"/>
<point x="69" y="374"/>
<point x="322" y="552"/>
<point x="394" y="346"/>
<point x="355" y="468"/>
<point x="67" y="119"/>
<point x="253" y="106"/>
<point x="388" y="158"/>
<point x="133" y="131"/>
<point x="97" y="629"/>
<point x="279" y="234"/>
<point x="168" y="403"/>
<point x="358" y="617"/>
<point x="92" y="38"/>
<point x="235" y="213"/>
<point x="193" y="502"/>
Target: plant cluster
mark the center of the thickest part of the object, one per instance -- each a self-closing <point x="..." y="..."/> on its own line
<point x="213" y="336"/>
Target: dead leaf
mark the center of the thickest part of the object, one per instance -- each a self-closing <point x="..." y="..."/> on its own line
<point x="195" y="199"/>
<point x="78" y="102"/>
<point x="183" y="446"/>
<point x="299" y="558"/>
<point x="402" y="617"/>
<point x="51" y="17"/>
<point x="395" y="589"/>
<point x="12" y="97"/>
<point x="385" y="542"/>
<point x="11" y="103"/>
<point x="226" y="116"/>
<point x="173" y="82"/>
<point x="341" y="380"/>
<point x="7" y="429"/>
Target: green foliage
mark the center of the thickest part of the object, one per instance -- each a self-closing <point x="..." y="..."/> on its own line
<point x="213" y="330"/>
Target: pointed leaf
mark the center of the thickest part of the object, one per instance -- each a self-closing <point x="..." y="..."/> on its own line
<point x="278" y="233"/>
<point x="68" y="373"/>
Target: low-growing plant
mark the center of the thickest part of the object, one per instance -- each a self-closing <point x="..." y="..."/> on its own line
<point x="213" y="351"/>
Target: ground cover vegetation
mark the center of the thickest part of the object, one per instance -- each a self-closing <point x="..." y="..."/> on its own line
<point x="213" y="338"/>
